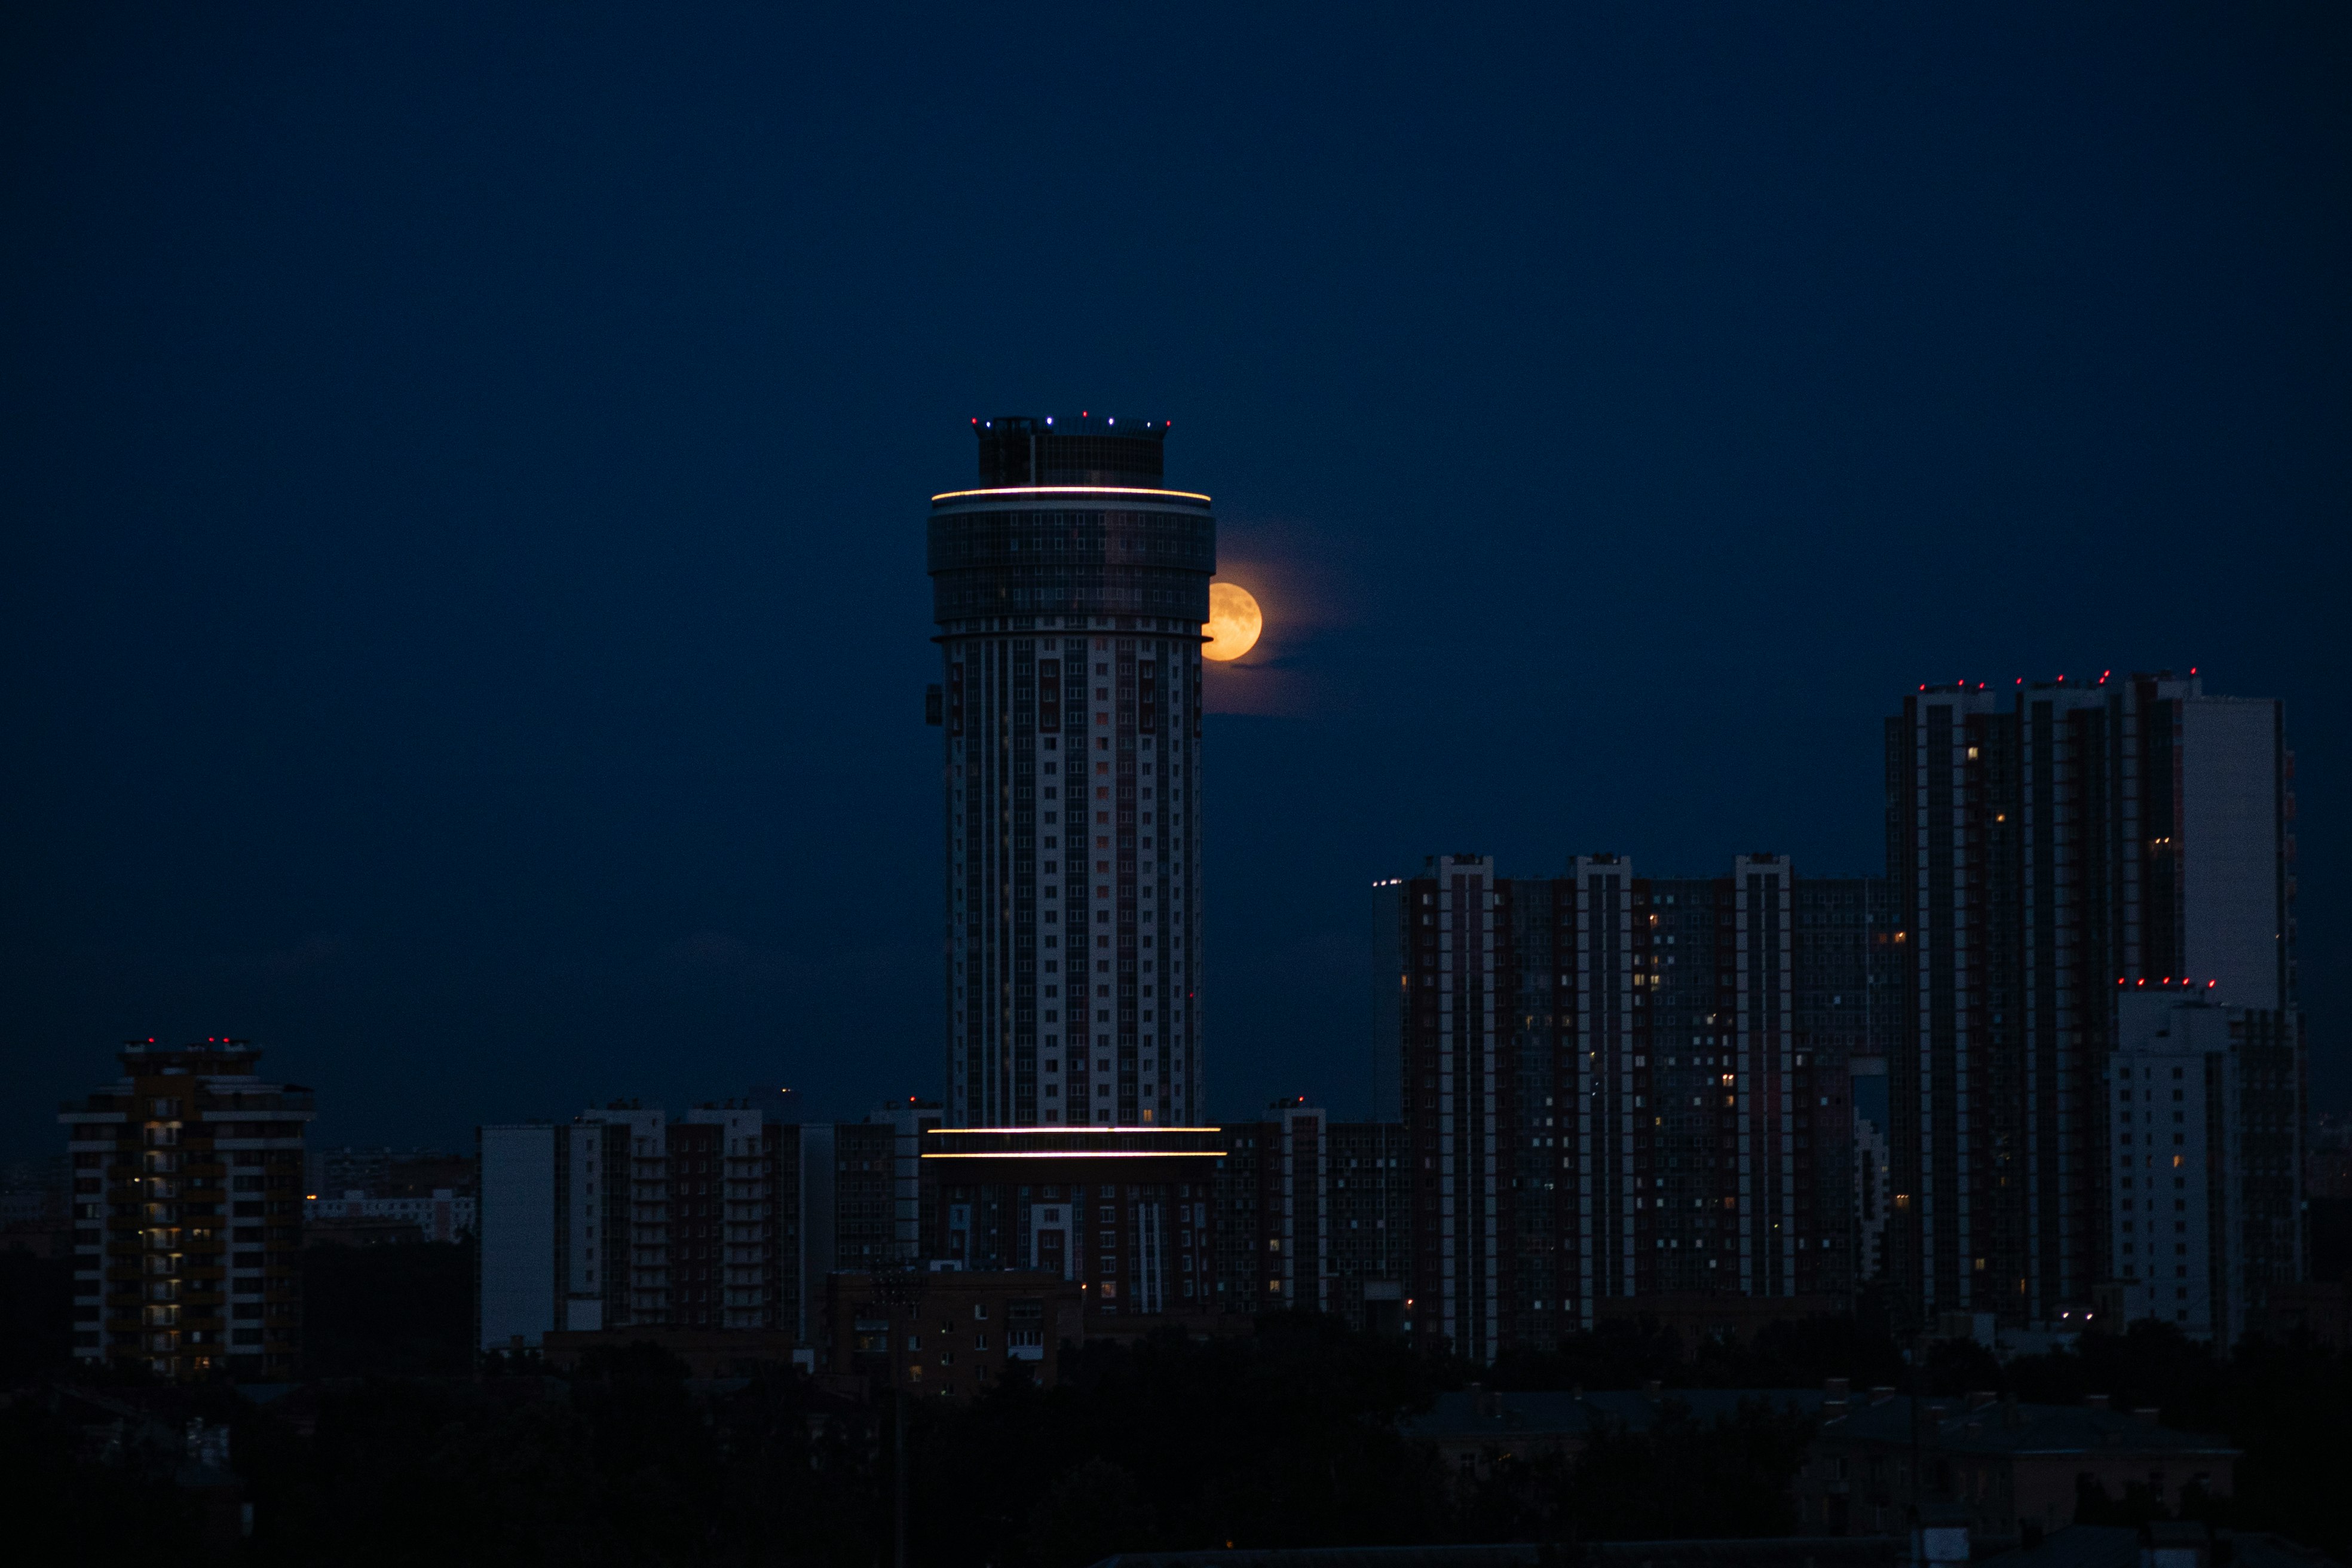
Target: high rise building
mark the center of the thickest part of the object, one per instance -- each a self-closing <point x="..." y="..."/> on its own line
<point x="1617" y="1087"/>
<point x="1069" y="587"/>
<point x="2206" y="1151"/>
<point x="722" y="1219"/>
<point x="187" y="1209"/>
<point x="1315" y="1215"/>
<point x="2046" y="843"/>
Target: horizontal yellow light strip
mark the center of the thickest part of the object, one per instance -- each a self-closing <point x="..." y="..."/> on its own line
<point x="1065" y="1131"/>
<point x="1072" y="490"/>
<point x="1086" y="1154"/>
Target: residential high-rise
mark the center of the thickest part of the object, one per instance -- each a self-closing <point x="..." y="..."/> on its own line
<point x="1617" y="1087"/>
<point x="1070" y="587"/>
<point x="187" y="1210"/>
<point x="1315" y="1215"/>
<point x="2045" y="843"/>
<point x="723" y="1220"/>
<point x="2206" y="1147"/>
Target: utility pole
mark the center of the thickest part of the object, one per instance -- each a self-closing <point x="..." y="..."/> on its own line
<point x="900" y="1291"/>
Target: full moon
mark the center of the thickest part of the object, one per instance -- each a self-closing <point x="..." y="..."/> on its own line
<point x="1235" y="622"/>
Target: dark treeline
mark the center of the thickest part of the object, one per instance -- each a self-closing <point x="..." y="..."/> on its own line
<point x="402" y="1453"/>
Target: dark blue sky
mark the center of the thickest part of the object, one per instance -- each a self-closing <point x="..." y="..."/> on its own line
<point x="464" y="471"/>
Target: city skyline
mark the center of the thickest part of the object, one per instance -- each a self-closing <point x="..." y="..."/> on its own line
<point x="471" y="630"/>
<point x="1358" y="1074"/>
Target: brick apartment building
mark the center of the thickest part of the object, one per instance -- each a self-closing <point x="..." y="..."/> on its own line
<point x="187" y="1212"/>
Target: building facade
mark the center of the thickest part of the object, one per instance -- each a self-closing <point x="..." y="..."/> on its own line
<point x="2206" y="1144"/>
<point x="1128" y="1214"/>
<point x="718" y="1220"/>
<point x="1618" y="1086"/>
<point x="187" y="1214"/>
<point x="441" y="1216"/>
<point x="1315" y="1215"/>
<point x="949" y="1335"/>
<point x="1881" y="1458"/>
<point x="1070" y="586"/>
<point x="2047" y="843"/>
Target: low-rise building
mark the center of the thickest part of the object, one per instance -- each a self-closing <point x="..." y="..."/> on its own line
<point x="1473" y="1429"/>
<point x="2003" y="1464"/>
<point x="358" y="1218"/>
<point x="948" y="1333"/>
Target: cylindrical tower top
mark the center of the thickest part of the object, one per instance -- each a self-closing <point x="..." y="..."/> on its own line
<point x="1024" y="449"/>
<point x="1071" y="521"/>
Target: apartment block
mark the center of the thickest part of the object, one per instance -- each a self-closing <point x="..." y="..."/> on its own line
<point x="1127" y="1214"/>
<point x="2048" y="843"/>
<point x="718" y="1220"/>
<point x="1619" y="1086"/>
<point x="947" y="1333"/>
<point x="2207" y="1141"/>
<point x="1314" y="1215"/>
<point x="187" y="1212"/>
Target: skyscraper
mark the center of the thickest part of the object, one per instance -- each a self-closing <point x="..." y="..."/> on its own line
<point x="1070" y="586"/>
<point x="1620" y="1088"/>
<point x="2045" y="844"/>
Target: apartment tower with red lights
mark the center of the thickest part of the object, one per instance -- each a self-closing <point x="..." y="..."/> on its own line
<point x="2050" y="843"/>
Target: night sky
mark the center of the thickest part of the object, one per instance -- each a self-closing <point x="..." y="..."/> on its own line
<point x="464" y="471"/>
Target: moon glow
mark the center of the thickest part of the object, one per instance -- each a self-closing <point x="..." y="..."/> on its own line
<point x="1235" y="622"/>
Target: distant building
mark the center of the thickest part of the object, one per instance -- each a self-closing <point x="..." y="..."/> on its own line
<point x="187" y="1212"/>
<point x="718" y="1220"/>
<point x="441" y="1215"/>
<point x="948" y="1333"/>
<point x="2327" y="1167"/>
<point x="1128" y="1214"/>
<point x="1476" y="1430"/>
<point x="2001" y="1464"/>
<point x="1313" y="1215"/>
<point x="1874" y="1167"/>
<point x="2045" y="844"/>
<point x="1210" y="1225"/>
<point x="1069" y="589"/>
<point x="2207" y="1162"/>
<point x="1617" y="1086"/>
<point x="34" y="1199"/>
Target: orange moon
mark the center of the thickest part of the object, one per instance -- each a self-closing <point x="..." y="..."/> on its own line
<point x="1235" y="622"/>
